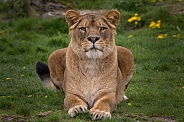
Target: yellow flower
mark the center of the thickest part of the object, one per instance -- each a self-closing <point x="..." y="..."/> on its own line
<point x="2" y="31"/>
<point x="183" y="87"/>
<point x="29" y="96"/>
<point x="158" y="21"/>
<point x="8" y="78"/>
<point x="161" y="1"/>
<point x="23" y="67"/>
<point x="138" y="19"/>
<point x="132" y="19"/>
<point x="136" y="14"/>
<point x="129" y="104"/>
<point x="155" y="24"/>
<point x="46" y="96"/>
<point x="130" y="36"/>
<point x="161" y="36"/>
<point x="153" y="1"/>
<point x="135" y="19"/>
<point x="136" y="22"/>
<point x="176" y="35"/>
<point x="9" y="96"/>
<point x="165" y="35"/>
<point x="152" y="24"/>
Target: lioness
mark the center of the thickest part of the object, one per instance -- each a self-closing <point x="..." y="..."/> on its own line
<point x="92" y="72"/>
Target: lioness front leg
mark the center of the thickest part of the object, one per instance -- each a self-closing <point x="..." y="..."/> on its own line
<point x="75" y="105"/>
<point x="103" y="107"/>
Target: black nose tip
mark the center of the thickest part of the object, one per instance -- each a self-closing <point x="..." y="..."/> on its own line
<point x="93" y="39"/>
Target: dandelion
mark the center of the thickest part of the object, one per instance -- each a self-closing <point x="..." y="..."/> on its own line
<point x="130" y="36"/>
<point x="129" y="104"/>
<point x="161" y="36"/>
<point x="153" y="1"/>
<point x="183" y="87"/>
<point x="158" y="21"/>
<point x="136" y="22"/>
<point x="155" y="24"/>
<point x="138" y="18"/>
<point x="9" y="96"/>
<point x="176" y="35"/>
<point x="152" y="24"/>
<point x="165" y="35"/>
<point x="135" y="19"/>
<point x="132" y="19"/>
<point x="8" y="78"/>
<point x="2" y="31"/>
<point x="136" y="14"/>
<point x="46" y="96"/>
<point x="29" y="96"/>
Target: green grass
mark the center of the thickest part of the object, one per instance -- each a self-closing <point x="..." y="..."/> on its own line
<point x="156" y="90"/>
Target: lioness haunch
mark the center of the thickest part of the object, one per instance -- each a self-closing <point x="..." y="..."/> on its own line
<point x="92" y="72"/>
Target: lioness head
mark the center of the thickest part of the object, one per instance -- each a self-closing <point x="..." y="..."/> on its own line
<point x="92" y="35"/>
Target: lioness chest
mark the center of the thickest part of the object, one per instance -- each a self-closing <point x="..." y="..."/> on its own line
<point x="91" y="79"/>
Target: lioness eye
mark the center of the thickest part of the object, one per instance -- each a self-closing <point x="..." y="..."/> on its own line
<point x="83" y="28"/>
<point x="102" y="28"/>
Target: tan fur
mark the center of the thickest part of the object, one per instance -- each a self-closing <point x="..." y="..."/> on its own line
<point x="92" y="79"/>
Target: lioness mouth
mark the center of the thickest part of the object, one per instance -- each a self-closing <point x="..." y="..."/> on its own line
<point x="94" y="49"/>
<point x="94" y="53"/>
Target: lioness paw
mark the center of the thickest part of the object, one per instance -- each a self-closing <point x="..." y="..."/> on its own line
<point x="125" y="97"/>
<point x="97" y="114"/>
<point x="77" y="109"/>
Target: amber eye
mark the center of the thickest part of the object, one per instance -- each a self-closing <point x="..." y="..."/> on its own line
<point x="82" y="29"/>
<point x="103" y="28"/>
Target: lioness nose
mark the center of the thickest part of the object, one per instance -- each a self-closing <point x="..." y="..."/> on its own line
<point x="93" y="39"/>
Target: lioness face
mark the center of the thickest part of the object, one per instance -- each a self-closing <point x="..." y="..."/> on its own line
<point x="92" y="35"/>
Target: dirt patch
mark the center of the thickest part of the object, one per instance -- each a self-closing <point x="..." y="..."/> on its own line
<point x="61" y="14"/>
<point x="13" y="118"/>
<point x="53" y="9"/>
<point x="164" y="119"/>
<point x="138" y="118"/>
<point x="177" y="8"/>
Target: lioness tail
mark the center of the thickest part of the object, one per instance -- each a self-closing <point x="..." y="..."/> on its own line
<point x="43" y="71"/>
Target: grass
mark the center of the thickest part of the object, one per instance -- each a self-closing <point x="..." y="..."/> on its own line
<point x="157" y="87"/>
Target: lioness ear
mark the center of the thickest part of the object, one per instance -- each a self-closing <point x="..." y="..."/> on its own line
<point x="113" y="17"/>
<point x="71" y="17"/>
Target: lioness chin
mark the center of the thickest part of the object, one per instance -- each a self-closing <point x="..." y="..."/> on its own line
<point x="92" y="72"/>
